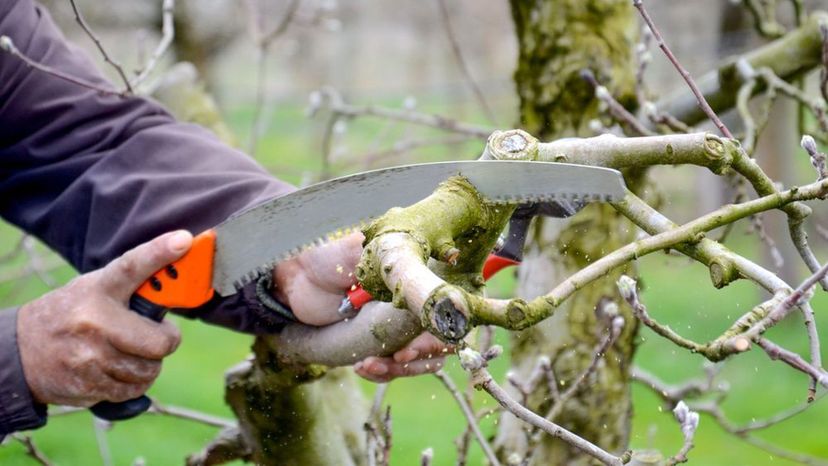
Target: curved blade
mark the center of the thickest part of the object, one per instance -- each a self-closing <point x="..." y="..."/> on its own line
<point x="251" y="242"/>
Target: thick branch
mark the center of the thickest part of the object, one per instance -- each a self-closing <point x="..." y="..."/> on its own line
<point x="379" y="329"/>
<point x="789" y="56"/>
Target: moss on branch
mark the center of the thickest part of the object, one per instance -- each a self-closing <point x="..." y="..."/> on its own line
<point x="456" y="218"/>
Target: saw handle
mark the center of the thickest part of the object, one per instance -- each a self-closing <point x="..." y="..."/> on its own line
<point x="187" y="284"/>
<point x="356" y="297"/>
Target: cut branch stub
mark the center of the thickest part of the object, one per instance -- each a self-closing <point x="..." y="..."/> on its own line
<point x="719" y="153"/>
<point x="447" y="314"/>
<point x="722" y="272"/>
<point x="427" y="257"/>
<point x="514" y="144"/>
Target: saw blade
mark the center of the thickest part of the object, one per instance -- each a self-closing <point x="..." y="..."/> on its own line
<point x="251" y="242"/>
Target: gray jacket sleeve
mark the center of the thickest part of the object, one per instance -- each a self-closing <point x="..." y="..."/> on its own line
<point x="93" y="175"/>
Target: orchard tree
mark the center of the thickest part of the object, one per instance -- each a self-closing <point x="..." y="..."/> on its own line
<point x="574" y="322"/>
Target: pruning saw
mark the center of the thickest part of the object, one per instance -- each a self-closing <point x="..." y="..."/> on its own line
<point x="225" y="258"/>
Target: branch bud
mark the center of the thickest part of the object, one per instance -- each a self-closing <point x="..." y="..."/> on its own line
<point x="471" y="360"/>
<point x="6" y="43"/>
<point x="602" y="93"/>
<point x="808" y="143"/>
<point x="649" y="108"/>
<point x="627" y="288"/>
<point x="426" y="456"/>
<point x="493" y="352"/>
<point x="514" y="459"/>
<point x="818" y="159"/>
<point x="689" y="420"/>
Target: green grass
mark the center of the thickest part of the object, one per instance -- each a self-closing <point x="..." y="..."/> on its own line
<point x="424" y="414"/>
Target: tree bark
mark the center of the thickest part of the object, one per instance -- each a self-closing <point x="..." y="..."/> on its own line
<point x="557" y="39"/>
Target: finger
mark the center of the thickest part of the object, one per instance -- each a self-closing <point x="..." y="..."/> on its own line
<point x="121" y="277"/>
<point x="423" y="347"/>
<point x="131" y="369"/>
<point x="373" y="369"/>
<point x="311" y="305"/>
<point x="108" y="389"/>
<point x="331" y="265"/>
<point x="386" y="369"/>
<point x="116" y="391"/>
<point x="138" y="336"/>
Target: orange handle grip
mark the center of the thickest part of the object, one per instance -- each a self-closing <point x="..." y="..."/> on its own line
<point x="188" y="282"/>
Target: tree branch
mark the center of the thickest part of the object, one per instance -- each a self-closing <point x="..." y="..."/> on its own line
<point x="117" y="66"/>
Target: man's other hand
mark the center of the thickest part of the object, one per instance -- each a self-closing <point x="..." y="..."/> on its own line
<point x="80" y="344"/>
<point x="313" y="284"/>
<point x="423" y="355"/>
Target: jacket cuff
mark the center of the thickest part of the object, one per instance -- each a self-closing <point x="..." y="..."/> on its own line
<point x="242" y="312"/>
<point x="18" y="411"/>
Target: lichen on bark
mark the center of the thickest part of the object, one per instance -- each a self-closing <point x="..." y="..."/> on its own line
<point x="297" y="415"/>
<point x="454" y="245"/>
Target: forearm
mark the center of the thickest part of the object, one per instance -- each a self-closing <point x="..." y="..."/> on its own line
<point x="93" y="175"/>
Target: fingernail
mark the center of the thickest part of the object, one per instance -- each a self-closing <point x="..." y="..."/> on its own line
<point x="180" y="241"/>
<point x="378" y="369"/>
<point x="406" y="355"/>
<point x="358" y="366"/>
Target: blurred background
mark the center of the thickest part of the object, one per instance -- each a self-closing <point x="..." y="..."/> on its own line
<point x="400" y="55"/>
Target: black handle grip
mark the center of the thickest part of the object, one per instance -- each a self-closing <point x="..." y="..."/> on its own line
<point x="111" y="411"/>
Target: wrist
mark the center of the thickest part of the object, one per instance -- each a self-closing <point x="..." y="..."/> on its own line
<point x="18" y="408"/>
<point x="271" y="298"/>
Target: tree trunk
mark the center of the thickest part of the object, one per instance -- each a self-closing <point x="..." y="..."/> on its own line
<point x="557" y="39"/>
<point x="297" y="416"/>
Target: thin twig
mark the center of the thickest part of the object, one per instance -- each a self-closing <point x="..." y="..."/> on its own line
<point x="7" y="45"/>
<point x="688" y="421"/>
<point x="117" y="66"/>
<point x="331" y="98"/>
<point x="15" y="250"/>
<point x="167" y="36"/>
<point x="101" y="426"/>
<point x="785" y="306"/>
<point x="190" y="415"/>
<point x="643" y="58"/>
<point x="639" y="4"/>
<point x="476" y="364"/>
<point x="402" y="148"/>
<point x="263" y="41"/>
<point x="461" y="62"/>
<point x="470" y="417"/>
<point x="614" y="331"/>
<point x="776" y="352"/>
<point x="823" y="75"/>
<point x="36" y="263"/>
<point x="487" y="383"/>
<point x="764" y="16"/>
<point x="759" y="228"/>
<point x="31" y="449"/>
<point x="712" y="408"/>
<point x="621" y="114"/>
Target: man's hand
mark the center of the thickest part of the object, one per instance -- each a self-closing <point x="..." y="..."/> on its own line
<point x="423" y="355"/>
<point x="80" y="344"/>
<point x="313" y="284"/>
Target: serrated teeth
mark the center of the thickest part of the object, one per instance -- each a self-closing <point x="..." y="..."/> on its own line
<point x="546" y="197"/>
<point x="254" y="274"/>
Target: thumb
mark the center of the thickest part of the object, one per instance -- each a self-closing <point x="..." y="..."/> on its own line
<point x="121" y="277"/>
